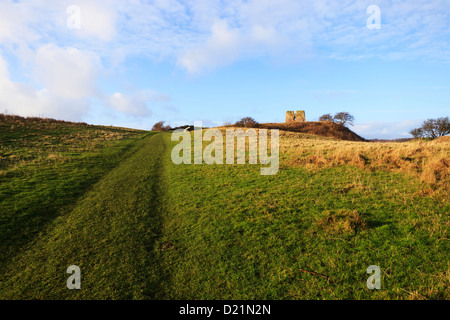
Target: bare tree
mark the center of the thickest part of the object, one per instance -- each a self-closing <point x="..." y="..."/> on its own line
<point x="326" y="117"/>
<point x="443" y="126"/>
<point x="344" y="117"/>
<point x="433" y="128"/>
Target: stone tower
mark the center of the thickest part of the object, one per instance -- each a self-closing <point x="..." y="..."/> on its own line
<point x="298" y="116"/>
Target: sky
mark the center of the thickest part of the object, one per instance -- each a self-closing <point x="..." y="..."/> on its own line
<point x="133" y="63"/>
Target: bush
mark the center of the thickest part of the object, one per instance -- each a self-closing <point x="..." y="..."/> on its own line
<point x="326" y="117"/>
<point x="159" y="126"/>
<point x="417" y="133"/>
<point x="247" y="122"/>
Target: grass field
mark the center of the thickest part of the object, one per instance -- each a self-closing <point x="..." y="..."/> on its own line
<point x="140" y="227"/>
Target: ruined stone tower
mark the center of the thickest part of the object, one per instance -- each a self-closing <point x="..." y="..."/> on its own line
<point x="298" y="116"/>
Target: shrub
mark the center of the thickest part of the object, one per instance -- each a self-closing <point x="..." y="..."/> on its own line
<point x="417" y="133"/>
<point x="159" y="126"/>
<point x="247" y="122"/>
<point x="326" y="117"/>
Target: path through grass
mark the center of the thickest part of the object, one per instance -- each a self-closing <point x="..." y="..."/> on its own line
<point x="110" y="234"/>
<point x="154" y="230"/>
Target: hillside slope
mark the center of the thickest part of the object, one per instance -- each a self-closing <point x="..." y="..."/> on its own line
<point x="109" y="233"/>
<point x="46" y="166"/>
<point x="320" y="128"/>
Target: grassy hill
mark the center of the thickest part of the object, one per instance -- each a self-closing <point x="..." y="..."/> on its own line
<point x="320" y="128"/>
<point x="111" y="201"/>
<point x="46" y="166"/>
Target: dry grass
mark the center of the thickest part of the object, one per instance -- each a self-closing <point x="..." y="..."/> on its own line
<point x="427" y="160"/>
<point x="342" y="221"/>
<point x="443" y="281"/>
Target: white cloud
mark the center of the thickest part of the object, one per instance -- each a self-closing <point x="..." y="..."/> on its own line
<point x="98" y="20"/>
<point x="266" y="35"/>
<point x="204" y="34"/>
<point x="386" y="130"/>
<point x="60" y="67"/>
<point x="14" y="20"/>
<point x="135" y="104"/>
<point x="24" y="99"/>
<point x="64" y="79"/>
<point x="198" y="35"/>
<point x="65" y="84"/>
<point x="220" y="49"/>
<point x="67" y="72"/>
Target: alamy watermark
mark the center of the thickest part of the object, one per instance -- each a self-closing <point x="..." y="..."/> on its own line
<point x="74" y="281"/>
<point x="213" y="153"/>
<point x="74" y="20"/>
<point x="374" y="20"/>
<point x="374" y="281"/>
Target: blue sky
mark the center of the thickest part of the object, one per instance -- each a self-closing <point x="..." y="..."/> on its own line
<point x="133" y="63"/>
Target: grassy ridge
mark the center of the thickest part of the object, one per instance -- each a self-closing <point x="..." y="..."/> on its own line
<point x="109" y="234"/>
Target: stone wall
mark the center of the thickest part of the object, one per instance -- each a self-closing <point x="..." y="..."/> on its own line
<point x="298" y="116"/>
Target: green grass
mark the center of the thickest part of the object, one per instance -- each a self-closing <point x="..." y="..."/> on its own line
<point x="149" y="229"/>
<point x="36" y="186"/>
<point x="239" y="235"/>
<point x="109" y="234"/>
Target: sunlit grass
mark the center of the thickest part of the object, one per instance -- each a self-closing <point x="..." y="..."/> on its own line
<point x="141" y="227"/>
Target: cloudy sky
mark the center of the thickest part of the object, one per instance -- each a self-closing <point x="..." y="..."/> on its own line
<point x="134" y="62"/>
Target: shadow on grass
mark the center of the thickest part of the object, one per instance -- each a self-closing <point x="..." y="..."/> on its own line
<point x="32" y="201"/>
